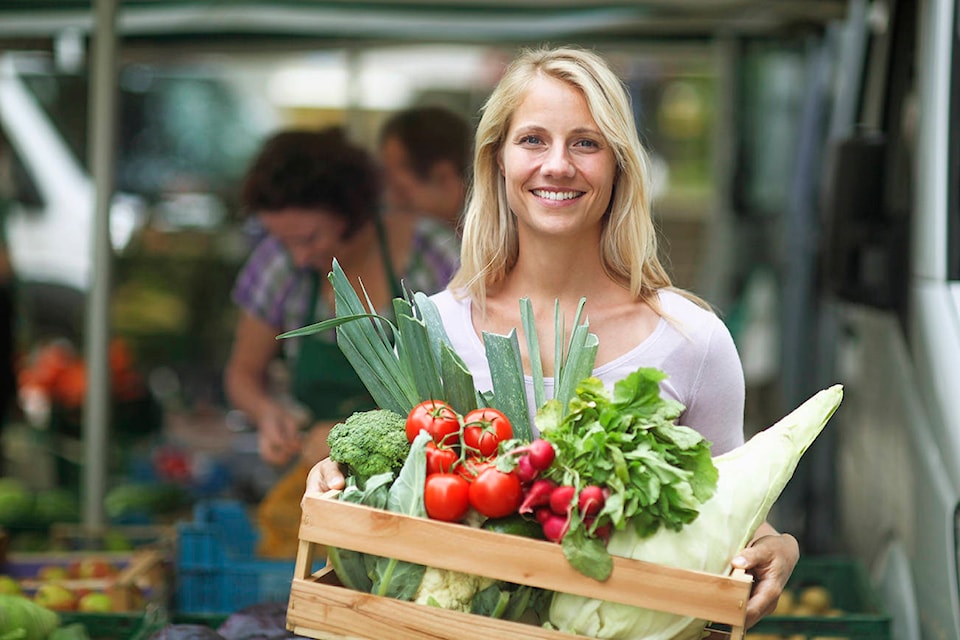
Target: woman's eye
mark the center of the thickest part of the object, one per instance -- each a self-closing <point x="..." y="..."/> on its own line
<point x="588" y="144"/>
<point x="531" y="139"/>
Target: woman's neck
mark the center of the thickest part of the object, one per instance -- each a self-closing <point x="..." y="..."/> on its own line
<point x="552" y="269"/>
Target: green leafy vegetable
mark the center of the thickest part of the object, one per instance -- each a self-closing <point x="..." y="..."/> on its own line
<point x="23" y="618"/>
<point x="402" y="364"/>
<point x="509" y="389"/>
<point x="658" y="473"/>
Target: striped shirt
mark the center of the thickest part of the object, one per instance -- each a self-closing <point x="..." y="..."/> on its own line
<point x="270" y="287"/>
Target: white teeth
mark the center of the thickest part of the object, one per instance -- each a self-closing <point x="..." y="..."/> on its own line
<point x="556" y="195"/>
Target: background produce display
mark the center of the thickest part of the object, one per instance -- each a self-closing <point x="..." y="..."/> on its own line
<point x="101" y="582"/>
<point x="827" y="597"/>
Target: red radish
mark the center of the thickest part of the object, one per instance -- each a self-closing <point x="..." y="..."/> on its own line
<point x="538" y="495"/>
<point x="541" y="454"/>
<point x="591" y="500"/>
<point x="525" y="470"/>
<point x="542" y="514"/>
<point x="555" y="527"/>
<point x="561" y="499"/>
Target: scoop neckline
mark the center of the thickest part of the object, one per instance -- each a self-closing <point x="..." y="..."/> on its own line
<point x="477" y="343"/>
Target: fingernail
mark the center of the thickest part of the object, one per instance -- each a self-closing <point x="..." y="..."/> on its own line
<point x="739" y="561"/>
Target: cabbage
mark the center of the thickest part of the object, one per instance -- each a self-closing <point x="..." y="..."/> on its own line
<point x="24" y="619"/>
<point x="751" y="479"/>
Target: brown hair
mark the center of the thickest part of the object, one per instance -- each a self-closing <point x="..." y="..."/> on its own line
<point x="313" y="170"/>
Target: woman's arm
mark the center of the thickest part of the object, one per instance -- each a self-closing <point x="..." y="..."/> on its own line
<point x="254" y="346"/>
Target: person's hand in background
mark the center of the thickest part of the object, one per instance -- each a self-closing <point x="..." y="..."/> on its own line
<point x="278" y="435"/>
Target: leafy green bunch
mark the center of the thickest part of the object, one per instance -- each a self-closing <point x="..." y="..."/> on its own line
<point x="657" y="472"/>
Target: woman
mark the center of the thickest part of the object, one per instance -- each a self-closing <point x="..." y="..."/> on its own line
<point x="559" y="211"/>
<point x="318" y="196"/>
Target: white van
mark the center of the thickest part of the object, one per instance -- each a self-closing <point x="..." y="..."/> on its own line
<point x="890" y="310"/>
<point x="184" y="136"/>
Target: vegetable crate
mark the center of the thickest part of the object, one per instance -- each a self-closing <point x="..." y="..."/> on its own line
<point x="131" y="579"/>
<point x="320" y="608"/>
<point x="217" y="568"/>
<point x="105" y="626"/>
<point x="856" y="611"/>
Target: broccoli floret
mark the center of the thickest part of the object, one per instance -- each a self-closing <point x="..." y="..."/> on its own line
<point x="370" y="442"/>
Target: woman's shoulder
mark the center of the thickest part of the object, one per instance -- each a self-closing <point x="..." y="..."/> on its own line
<point x="448" y="300"/>
<point x="678" y="301"/>
<point x="687" y="314"/>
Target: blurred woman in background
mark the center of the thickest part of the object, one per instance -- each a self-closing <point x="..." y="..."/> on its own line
<point x="318" y="197"/>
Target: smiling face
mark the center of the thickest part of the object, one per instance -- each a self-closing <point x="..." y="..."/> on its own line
<point x="312" y="237"/>
<point x="558" y="168"/>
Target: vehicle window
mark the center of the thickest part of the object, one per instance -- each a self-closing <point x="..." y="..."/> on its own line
<point x="178" y="131"/>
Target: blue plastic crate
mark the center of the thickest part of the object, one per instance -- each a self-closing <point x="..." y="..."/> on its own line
<point x="217" y="569"/>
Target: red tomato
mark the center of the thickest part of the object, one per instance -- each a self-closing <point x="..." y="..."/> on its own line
<point x="496" y="494"/>
<point x="472" y="466"/>
<point x="446" y="497"/>
<point x="440" y="459"/>
<point x="437" y="418"/>
<point x="484" y="430"/>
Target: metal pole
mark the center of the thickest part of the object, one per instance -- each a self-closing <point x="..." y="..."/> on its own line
<point x="96" y="418"/>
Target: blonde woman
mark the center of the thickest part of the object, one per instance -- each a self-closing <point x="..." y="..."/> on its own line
<point x="559" y="211"/>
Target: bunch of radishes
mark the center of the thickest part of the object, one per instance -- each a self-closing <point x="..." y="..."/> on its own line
<point x="552" y="504"/>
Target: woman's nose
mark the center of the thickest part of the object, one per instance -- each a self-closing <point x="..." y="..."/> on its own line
<point x="558" y="163"/>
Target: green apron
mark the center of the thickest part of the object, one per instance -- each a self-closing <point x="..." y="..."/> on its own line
<point x="323" y="379"/>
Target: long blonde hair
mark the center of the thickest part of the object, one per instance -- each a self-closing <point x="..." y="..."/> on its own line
<point x="628" y="239"/>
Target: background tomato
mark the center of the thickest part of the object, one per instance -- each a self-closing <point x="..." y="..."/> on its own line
<point x="484" y="430"/>
<point x="440" y="459"/>
<point x="496" y="494"/>
<point x="446" y="497"/>
<point x="437" y="418"/>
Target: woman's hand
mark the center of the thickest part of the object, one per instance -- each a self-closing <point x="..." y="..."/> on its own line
<point x="278" y="436"/>
<point x="324" y="476"/>
<point x="770" y="558"/>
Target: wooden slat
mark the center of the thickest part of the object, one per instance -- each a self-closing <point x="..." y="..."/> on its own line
<point x="327" y="612"/>
<point x="521" y="560"/>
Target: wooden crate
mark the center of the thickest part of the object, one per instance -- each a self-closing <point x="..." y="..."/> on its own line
<point x="320" y="608"/>
<point x="140" y="576"/>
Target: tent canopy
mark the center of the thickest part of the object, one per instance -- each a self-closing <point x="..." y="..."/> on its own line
<point x="245" y="23"/>
<point x="424" y="20"/>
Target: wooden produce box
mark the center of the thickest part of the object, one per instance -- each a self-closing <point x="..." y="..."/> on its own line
<point x="133" y="580"/>
<point x="320" y="608"/>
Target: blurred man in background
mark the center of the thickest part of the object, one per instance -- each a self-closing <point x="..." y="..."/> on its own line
<point x="426" y="157"/>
